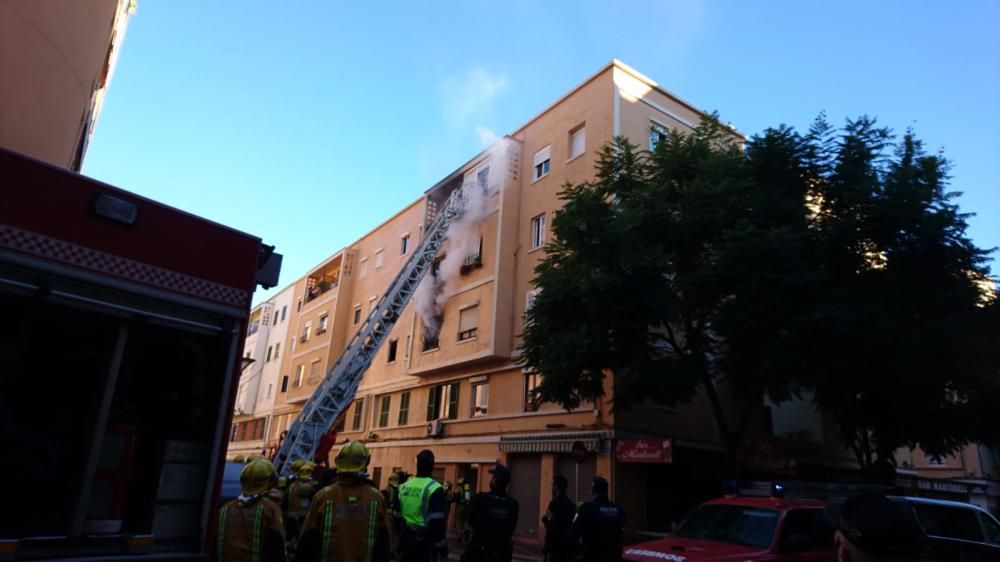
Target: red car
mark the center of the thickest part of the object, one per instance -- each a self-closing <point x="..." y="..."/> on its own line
<point x="743" y="528"/>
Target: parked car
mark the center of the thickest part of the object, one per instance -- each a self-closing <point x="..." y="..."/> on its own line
<point x="955" y="530"/>
<point x="746" y="528"/>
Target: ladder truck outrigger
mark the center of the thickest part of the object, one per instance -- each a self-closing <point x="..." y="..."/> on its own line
<point x="336" y="391"/>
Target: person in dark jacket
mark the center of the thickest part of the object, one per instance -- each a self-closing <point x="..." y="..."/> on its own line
<point x="597" y="528"/>
<point x="493" y="518"/>
<point x="557" y="520"/>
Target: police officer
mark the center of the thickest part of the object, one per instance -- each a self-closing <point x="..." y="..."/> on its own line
<point x="557" y="520"/>
<point x="391" y="495"/>
<point x="348" y="520"/>
<point x="250" y="527"/>
<point x="493" y="518"/>
<point x="598" y="525"/>
<point x="425" y="511"/>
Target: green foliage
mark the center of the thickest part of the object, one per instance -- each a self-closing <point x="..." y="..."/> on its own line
<point x="819" y="262"/>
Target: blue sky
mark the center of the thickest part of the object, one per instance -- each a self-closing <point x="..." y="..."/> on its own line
<point x="308" y="123"/>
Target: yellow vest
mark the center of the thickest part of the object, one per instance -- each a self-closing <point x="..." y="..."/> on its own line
<point x="413" y="499"/>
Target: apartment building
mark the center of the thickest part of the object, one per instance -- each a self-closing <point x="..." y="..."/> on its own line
<point x="259" y="383"/>
<point x="447" y="379"/>
<point x="56" y="61"/>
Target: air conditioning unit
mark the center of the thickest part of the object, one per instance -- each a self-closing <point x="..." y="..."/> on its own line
<point x="435" y="428"/>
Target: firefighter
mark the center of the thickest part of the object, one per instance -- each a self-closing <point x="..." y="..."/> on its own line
<point x="425" y="510"/>
<point x="300" y="494"/>
<point x="391" y="495"/>
<point x="348" y="520"/>
<point x="493" y="518"/>
<point x="557" y="520"/>
<point x="250" y="527"/>
<point x="461" y="499"/>
<point x="597" y="527"/>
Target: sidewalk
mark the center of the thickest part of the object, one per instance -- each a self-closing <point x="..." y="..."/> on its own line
<point x="527" y="552"/>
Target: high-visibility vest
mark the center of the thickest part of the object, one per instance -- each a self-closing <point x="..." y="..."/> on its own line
<point x="413" y="499"/>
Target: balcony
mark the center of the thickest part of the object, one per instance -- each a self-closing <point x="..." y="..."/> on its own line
<point x="323" y="280"/>
<point x="254" y="327"/>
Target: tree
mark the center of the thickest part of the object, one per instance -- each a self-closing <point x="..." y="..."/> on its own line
<point x="802" y="262"/>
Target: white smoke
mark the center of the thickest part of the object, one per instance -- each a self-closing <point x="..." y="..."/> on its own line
<point x="462" y="239"/>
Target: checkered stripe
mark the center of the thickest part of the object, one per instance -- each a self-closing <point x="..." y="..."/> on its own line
<point x="87" y="258"/>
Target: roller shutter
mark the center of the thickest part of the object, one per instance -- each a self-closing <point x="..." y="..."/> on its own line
<point x="525" y="488"/>
<point x="579" y="487"/>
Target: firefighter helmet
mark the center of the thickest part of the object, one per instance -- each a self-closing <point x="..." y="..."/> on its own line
<point x="352" y="458"/>
<point x="306" y="470"/>
<point x="257" y="477"/>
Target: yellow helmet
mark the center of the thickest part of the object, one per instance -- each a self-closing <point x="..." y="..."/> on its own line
<point x="238" y="458"/>
<point x="394" y="478"/>
<point x="297" y="466"/>
<point x="282" y="483"/>
<point x="353" y="458"/>
<point x="307" y="469"/>
<point x="256" y="477"/>
<point x="251" y="458"/>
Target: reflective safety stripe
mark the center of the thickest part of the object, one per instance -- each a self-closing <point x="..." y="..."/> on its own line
<point x="221" y="539"/>
<point x="425" y="499"/>
<point x="256" y="532"/>
<point x="371" y="530"/>
<point x="327" y="528"/>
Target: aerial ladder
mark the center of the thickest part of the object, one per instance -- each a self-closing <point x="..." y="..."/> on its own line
<point x="336" y="392"/>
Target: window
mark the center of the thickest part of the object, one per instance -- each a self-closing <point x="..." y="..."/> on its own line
<point x="577" y="142"/>
<point x="483" y="178"/>
<point x="299" y="371"/>
<point x="314" y="372"/>
<point x="276" y="314"/>
<point x="270" y="389"/>
<point x="371" y="304"/>
<point x="480" y="399"/>
<point x="404" y="408"/>
<point x="538" y="231"/>
<point x="473" y="256"/>
<point x="284" y="383"/>
<point x="357" y="315"/>
<point x="305" y="331"/>
<point x="805" y="530"/>
<point x="359" y="409"/>
<point x="432" y="333"/>
<point x="392" y="350"/>
<point x="468" y="319"/>
<point x="442" y="402"/>
<point x="323" y="320"/>
<point x="541" y="163"/>
<point x="379" y="258"/>
<point x="277" y="347"/>
<point x="404" y="244"/>
<point x="363" y="268"/>
<point x="270" y="349"/>
<point x="531" y="382"/>
<point x="657" y="134"/>
<point x="284" y="312"/>
<point x="948" y="521"/>
<point x="377" y="476"/>
<point x="383" y="411"/>
<point x="936" y="460"/>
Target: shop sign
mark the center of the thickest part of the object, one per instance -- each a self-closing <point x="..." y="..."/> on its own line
<point x="645" y="451"/>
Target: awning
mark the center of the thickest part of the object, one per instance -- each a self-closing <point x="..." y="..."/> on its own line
<point x="552" y="442"/>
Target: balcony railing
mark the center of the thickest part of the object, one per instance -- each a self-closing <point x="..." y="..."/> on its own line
<point x="321" y="287"/>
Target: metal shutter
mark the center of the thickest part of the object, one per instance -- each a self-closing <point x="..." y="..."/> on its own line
<point x="525" y="488"/>
<point x="579" y="487"/>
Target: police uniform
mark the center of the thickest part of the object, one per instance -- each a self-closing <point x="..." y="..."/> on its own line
<point x="598" y="526"/>
<point x="493" y="518"/>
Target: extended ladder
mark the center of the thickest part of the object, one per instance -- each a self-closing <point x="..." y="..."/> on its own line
<point x="337" y="390"/>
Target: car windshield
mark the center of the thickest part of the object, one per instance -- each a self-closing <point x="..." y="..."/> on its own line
<point x="733" y="524"/>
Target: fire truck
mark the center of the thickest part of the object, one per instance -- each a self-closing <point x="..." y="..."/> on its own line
<point x="120" y="351"/>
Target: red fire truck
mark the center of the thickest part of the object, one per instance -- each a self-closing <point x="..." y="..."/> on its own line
<point x="120" y="351"/>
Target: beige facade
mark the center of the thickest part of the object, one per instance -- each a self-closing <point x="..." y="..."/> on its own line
<point x="56" y="60"/>
<point x="463" y="396"/>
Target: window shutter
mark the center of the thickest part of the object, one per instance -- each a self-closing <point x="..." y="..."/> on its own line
<point x="578" y="142"/>
<point x="453" y="401"/>
<point x="541" y="156"/>
<point x="468" y="319"/>
<point x="431" y="402"/>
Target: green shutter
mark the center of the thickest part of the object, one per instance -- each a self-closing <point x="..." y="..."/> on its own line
<point x="432" y="398"/>
<point x="453" y="402"/>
